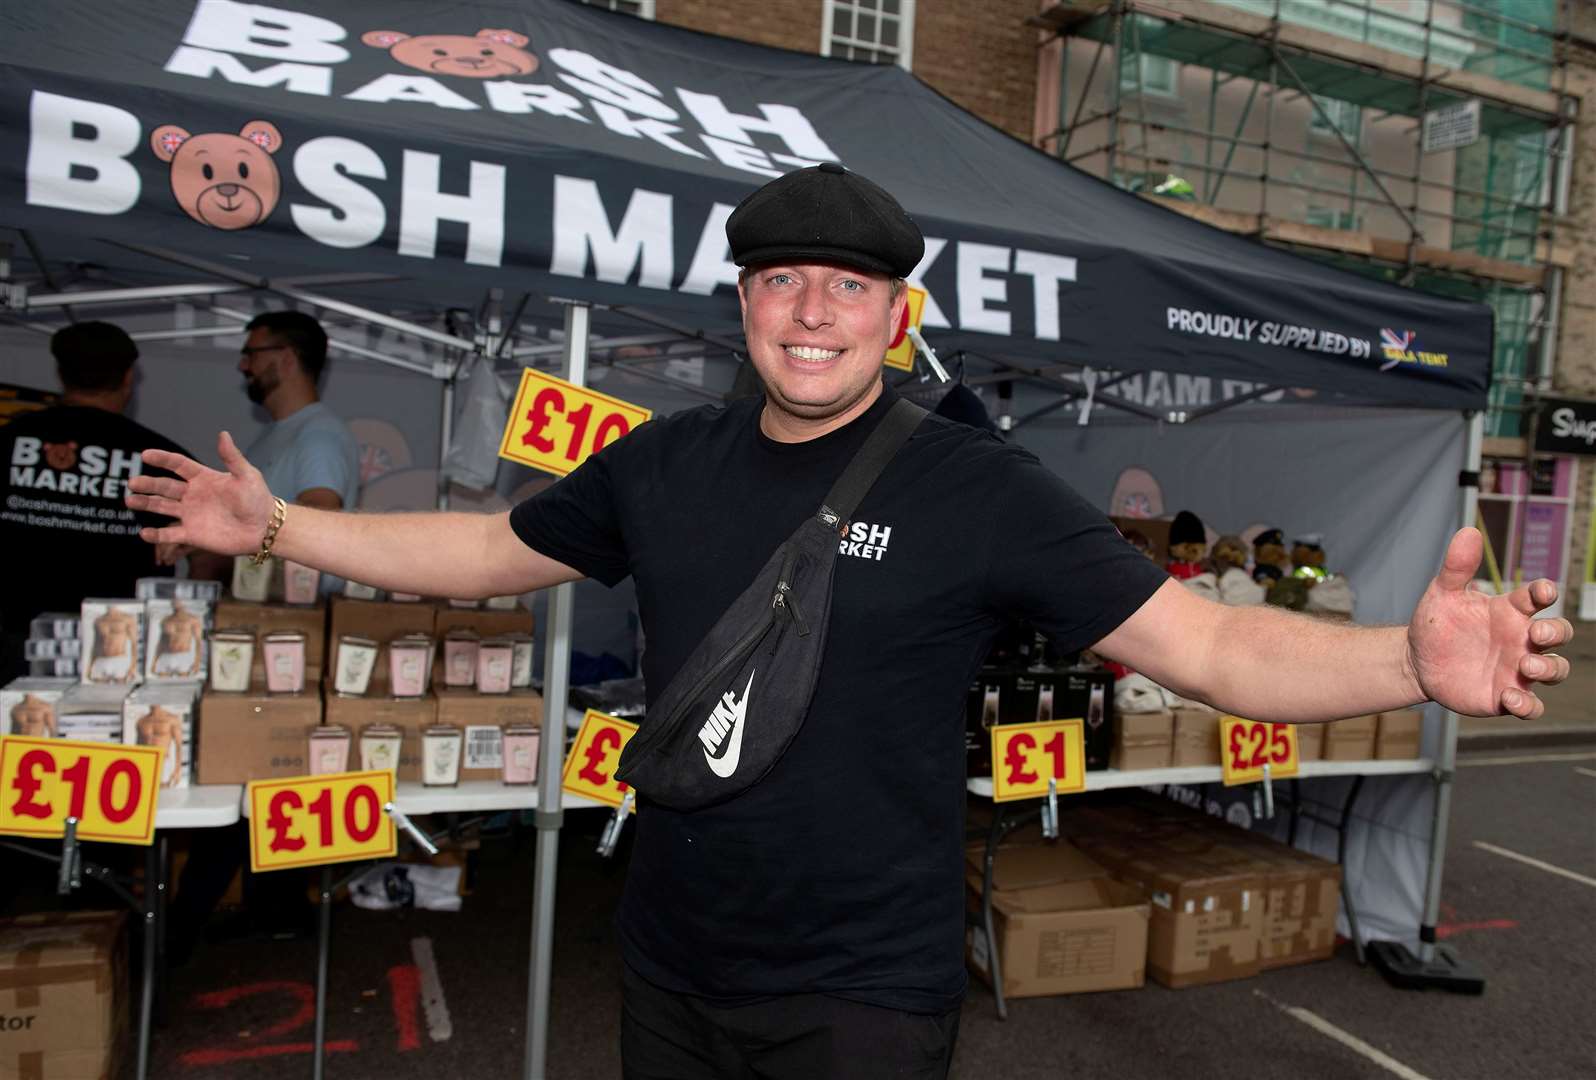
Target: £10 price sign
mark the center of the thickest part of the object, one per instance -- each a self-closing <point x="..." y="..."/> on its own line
<point x="556" y="425"/>
<point x="315" y="820"/>
<point x="900" y="351"/>
<point x="1246" y="746"/>
<point x="1026" y="756"/>
<point x="590" y="766"/>
<point x="109" y="788"/>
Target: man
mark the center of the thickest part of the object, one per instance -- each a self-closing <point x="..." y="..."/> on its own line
<point x="66" y="467"/>
<point x="813" y="925"/>
<point x="179" y="653"/>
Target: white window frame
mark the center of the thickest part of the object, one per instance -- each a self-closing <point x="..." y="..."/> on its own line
<point x="1337" y="110"/>
<point x="1329" y="217"/>
<point x="905" y="18"/>
<point x="1156" y="76"/>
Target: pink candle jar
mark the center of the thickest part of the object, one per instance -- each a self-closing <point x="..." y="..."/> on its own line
<point x="301" y="583"/>
<point x="495" y="659"/>
<point x="521" y="660"/>
<point x="404" y="597"/>
<point x="460" y="648"/>
<point x="409" y="661"/>
<point x="521" y="754"/>
<point x="440" y="755"/>
<point x="329" y="749"/>
<point x="285" y="661"/>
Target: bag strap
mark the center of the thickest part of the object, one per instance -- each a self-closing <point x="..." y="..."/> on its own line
<point x="883" y="444"/>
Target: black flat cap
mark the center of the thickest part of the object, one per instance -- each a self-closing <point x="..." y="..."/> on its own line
<point x="826" y="213"/>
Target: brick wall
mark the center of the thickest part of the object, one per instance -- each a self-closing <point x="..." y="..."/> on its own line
<point x="785" y="24"/>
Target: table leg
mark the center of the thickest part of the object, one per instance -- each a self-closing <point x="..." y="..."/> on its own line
<point x="993" y="837"/>
<point x="1346" y="886"/>
<point x="147" y="992"/>
<point x="323" y="945"/>
<point x="163" y="895"/>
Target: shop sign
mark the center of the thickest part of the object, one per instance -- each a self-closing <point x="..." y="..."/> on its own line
<point x="1246" y="746"/>
<point x="590" y="766"/>
<point x="1452" y="127"/>
<point x="555" y="425"/>
<point x="1565" y="426"/>
<point x="110" y="789"/>
<point x="1026" y="756"/>
<point x="316" y="820"/>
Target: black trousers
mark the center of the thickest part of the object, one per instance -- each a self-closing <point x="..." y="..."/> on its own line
<point x="671" y="1036"/>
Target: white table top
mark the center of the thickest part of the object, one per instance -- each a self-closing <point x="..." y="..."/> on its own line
<point x="199" y="807"/>
<point x="1107" y="779"/>
<point x="472" y="796"/>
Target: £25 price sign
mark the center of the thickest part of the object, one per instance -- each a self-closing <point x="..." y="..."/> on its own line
<point x="590" y="766"/>
<point x="1026" y="756"/>
<point x="1246" y="746"/>
<point x="556" y="425"/>
<point x="109" y="788"/>
<point x="900" y="352"/>
<point x="314" y="820"/>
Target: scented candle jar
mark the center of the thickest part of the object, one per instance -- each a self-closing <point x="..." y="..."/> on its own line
<point x="329" y="749"/>
<point x="503" y="603"/>
<point x="251" y="582"/>
<point x="521" y="754"/>
<point x="404" y="597"/>
<point x="354" y="590"/>
<point x="495" y="658"/>
<point x="285" y="661"/>
<point x="440" y="755"/>
<point x="301" y="583"/>
<point x="357" y="657"/>
<point x="466" y="605"/>
<point x="520" y="660"/>
<point x="232" y="654"/>
<point x="460" y="649"/>
<point x="409" y="659"/>
<point x="379" y="747"/>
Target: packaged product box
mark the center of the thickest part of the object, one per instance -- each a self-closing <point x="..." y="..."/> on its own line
<point x="263" y="619"/>
<point x="63" y="996"/>
<point x="410" y="715"/>
<point x="164" y="715"/>
<point x="1310" y="742"/>
<point x="484" y="718"/>
<point x="1196" y="738"/>
<point x="177" y="648"/>
<point x="91" y="713"/>
<point x="254" y="736"/>
<point x="1302" y="896"/>
<point x="1037" y="695"/>
<point x="113" y="642"/>
<point x="1143" y="741"/>
<point x="28" y="706"/>
<point x="982" y="703"/>
<point x="1398" y="735"/>
<point x="380" y="621"/>
<point x="1351" y="739"/>
<point x="1088" y="693"/>
<point x="1061" y="924"/>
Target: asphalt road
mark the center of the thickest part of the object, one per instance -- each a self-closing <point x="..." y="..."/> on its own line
<point x="242" y="1011"/>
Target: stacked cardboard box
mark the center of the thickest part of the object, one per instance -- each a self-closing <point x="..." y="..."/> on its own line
<point x="1143" y="741"/>
<point x="63" y="980"/>
<point x="1398" y="734"/>
<point x="1351" y="739"/>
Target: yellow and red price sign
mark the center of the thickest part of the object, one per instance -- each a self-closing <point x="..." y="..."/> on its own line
<point x="108" y="787"/>
<point x="556" y="425"/>
<point x="1026" y="756"/>
<point x="1245" y="746"/>
<point x="315" y="820"/>
<point x="900" y="353"/>
<point x="590" y="766"/>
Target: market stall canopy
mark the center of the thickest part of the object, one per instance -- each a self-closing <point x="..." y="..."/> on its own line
<point x="547" y="146"/>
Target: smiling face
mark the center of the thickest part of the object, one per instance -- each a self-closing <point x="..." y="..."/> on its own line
<point x="817" y="333"/>
<point x="491" y="54"/>
<point x="224" y="181"/>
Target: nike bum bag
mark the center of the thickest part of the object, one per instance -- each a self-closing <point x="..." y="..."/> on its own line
<point x="742" y="695"/>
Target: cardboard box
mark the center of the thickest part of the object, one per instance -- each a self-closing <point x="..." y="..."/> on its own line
<point x="1351" y="739"/>
<point x="484" y="716"/>
<point x="264" y="619"/>
<point x="409" y="715"/>
<point x="1399" y="734"/>
<point x="1302" y="895"/>
<point x="381" y="621"/>
<point x="485" y="622"/>
<point x="29" y="706"/>
<point x="1062" y="926"/>
<point x="63" y="996"/>
<point x="244" y="737"/>
<point x="1196" y="739"/>
<point x="164" y="715"/>
<point x="1143" y="741"/>
<point x="1310" y="742"/>
<point x="91" y="713"/>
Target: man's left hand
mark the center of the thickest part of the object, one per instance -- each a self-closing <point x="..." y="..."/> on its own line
<point x="1482" y="655"/>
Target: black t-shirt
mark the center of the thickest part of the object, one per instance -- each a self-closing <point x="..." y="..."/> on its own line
<point x="62" y="518"/>
<point x="840" y="872"/>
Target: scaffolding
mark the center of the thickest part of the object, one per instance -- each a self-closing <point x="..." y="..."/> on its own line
<point x="1305" y="123"/>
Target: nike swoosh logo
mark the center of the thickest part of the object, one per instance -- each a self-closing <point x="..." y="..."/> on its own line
<point x="726" y="764"/>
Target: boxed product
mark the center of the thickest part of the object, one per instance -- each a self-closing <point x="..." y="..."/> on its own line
<point x="1351" y="739"/>
<point x="164" y="715"/>
<point x="91" y="713"/>
<point x="1310" y="742"/>
<point x="980" y="713"/>
<point x="378" y="621"/>
<point x="1036" y="694"/>
<point x="63" y="995"/>
<point x="1089" y="694"/>
<point x="1302" y="895"/>
<point x="408" y="716"/>
<point x="483" y="717"/>
<point x="177" y="648"/>
<point x="1061" y="924"/>
<point x="55" y="624"/>
<point x="1398" y="734"/>
<point x="28" y="706"/>
<point x="264" y="619"/>
<point x="1196" y="738"/>
<point x="1143" y="741"/>
<point x="113" y="640"/>
<point x="254" y="736"/>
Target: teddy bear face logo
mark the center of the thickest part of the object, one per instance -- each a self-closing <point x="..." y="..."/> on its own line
<point x="61" y="456"/>
<point x="492" y="54"/>
<point x="224" y="181"/>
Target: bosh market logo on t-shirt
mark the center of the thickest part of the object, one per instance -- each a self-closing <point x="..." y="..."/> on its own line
<point x="865" y="541"/>
<point x="70" y="469"/>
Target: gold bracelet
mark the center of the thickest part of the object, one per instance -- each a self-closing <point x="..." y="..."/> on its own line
<point x="279" y="513"/>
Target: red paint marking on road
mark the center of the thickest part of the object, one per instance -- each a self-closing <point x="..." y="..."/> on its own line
<point x="223" y="1057"/>
<point x="1453" y="929"/>
<point x="404" y="984"/>
<point x="221" y="999"/>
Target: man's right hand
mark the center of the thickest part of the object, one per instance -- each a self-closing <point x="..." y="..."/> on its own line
<point x="225" y="512"/>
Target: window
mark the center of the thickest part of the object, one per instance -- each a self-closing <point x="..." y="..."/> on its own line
<point x="1152" y="75"/>
<point x="875" y="31"/>
<point x="1337" y="114"/>
<point x="1327" y="218"/>
<point x="643" y="9"/>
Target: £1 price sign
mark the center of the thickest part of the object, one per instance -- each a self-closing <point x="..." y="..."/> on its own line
<point x="1026" y="756"/>
<point x="590" y="766"/>
<point x="556" y="425"/>
<point x="315" y="820"/>
<point x="1246" y="746"/>
<point x="900" y="352"/>
<point x="109" y="788"/>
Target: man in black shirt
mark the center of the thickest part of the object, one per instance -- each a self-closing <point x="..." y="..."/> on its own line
<point x="62" y="517"/>
<point x="812" y="925"/>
